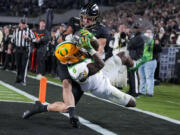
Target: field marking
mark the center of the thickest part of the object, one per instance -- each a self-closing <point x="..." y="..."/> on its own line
<point x="83" y="121"/>
<point x="8" y="94"/>
<point x="18" y="98"/>
<point x="13" y="101"/>
<point x="129" y="108"/>
<point x="173" y="102"/>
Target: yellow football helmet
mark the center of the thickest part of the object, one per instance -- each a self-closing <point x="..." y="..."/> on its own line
<point x="68" y="53"/>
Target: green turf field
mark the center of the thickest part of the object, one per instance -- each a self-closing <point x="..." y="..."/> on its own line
<point x="166" y="101"/>
<point x="7" y="94"/>
<point x="48" y="76"/>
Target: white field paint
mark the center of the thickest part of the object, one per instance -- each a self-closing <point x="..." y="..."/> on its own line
<point x="173" y="102"/>
<point x="83" y="121"/>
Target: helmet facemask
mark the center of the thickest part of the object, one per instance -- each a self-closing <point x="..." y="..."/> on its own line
<point x="89" y="15"/>
<point x="87" y="21"/>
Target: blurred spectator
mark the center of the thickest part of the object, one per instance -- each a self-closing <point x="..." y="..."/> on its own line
<point x="7" y="49"/>
<point x="1" y="48"/>
<point x="135" y="48"/>
<point x="147" y="70"/>
<point x="52" y="46"/>
<point x="42" y="39"/>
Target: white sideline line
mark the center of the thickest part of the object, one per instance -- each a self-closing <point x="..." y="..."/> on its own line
<point x="83" y="121"/>
<point x="129" y="108"/>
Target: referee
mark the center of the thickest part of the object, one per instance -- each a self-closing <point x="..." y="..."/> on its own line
<point x="21" y="39"/>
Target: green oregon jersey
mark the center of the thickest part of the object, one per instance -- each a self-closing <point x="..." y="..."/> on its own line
<point x="148" y="51"/>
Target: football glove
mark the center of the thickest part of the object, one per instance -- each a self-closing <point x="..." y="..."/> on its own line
<point x="85" y="43"/>
<point x="86" y="33"/>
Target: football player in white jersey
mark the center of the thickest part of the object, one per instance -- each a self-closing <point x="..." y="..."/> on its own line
<point x="90" y="77"/>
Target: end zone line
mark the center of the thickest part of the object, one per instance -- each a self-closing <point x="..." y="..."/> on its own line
<point x="129" y="108"/>
<point x="83" y="121"/>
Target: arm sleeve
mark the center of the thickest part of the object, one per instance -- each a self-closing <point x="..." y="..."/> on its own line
<point x="32" y="36"/>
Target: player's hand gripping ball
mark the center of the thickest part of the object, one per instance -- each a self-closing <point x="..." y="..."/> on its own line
<point x="85" y="43"/>
<point x="86" y="33"/>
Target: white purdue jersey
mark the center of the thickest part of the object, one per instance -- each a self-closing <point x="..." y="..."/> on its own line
<point x="98" y="84"/>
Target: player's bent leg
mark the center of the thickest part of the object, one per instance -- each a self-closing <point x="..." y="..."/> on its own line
<point x="57" y="107"/>
<point x="113" y="94"/>
<point x="69" y="101"/>
<point x="121" y="98"/>
<point x="67" y="93"/>
<point x="77" y="92"/>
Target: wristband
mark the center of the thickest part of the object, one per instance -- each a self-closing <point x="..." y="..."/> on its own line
<point x="92" y="52"/>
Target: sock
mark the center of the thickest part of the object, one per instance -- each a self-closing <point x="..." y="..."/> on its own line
<point x="71" y="111"/>
<point x="44" y="108"/>
<point x="40" y="107"/>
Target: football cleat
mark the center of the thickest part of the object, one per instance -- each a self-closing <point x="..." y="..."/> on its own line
<point x="74" y="121"/>
<point x="37" y="108"/>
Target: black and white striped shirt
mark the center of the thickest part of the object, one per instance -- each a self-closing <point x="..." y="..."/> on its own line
<point x="18" y="39"/>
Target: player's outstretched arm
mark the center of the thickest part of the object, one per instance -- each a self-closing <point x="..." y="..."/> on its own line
<point x="98" y="63"/>
<point x="96" y="66"/>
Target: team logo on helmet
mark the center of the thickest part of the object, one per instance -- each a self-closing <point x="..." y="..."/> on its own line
<point x="69" y="53"/>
